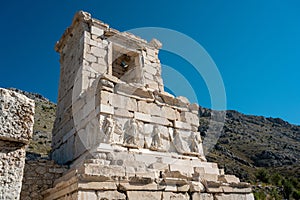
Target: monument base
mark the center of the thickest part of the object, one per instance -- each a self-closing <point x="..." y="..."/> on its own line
<point x="114" y="172"/>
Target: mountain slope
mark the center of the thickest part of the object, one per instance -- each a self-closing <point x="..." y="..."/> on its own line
<point x="248" y="142"/>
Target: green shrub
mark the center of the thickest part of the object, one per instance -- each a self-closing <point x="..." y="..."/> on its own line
<point x="276" y="179"/>
<point x="263" y="175"/>
<point x="275" y="195"/>
<point x="287" y="188"/>
<point x="296" y="194"/>
<point x="259" y="195"/>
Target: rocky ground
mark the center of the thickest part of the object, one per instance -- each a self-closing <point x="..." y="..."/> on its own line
<point x="247" y="144"/>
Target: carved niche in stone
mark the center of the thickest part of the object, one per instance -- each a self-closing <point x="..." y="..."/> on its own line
<point x="196" y="143"/>
<point x="180" y="145"/>
<point x="131" y="133"/>
<point x="156" y="143"/>
<point x="110" y="127"/>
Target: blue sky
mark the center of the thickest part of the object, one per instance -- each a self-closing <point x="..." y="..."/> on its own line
<point x="255" y="45"/>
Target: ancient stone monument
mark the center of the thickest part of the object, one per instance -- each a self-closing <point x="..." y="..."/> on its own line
<point x="122" y="135"/>
<point x="16" y="124"/>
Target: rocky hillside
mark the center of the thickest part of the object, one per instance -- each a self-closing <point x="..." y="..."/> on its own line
<point x="247" y="143"/>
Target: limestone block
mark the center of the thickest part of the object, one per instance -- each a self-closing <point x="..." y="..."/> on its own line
<point x="142" y="116"/>
<point x="210" y="170"/>
<point x="121" y="112"/>
<point x="156" y="43"/>
<point x="143" y="107"/>
<point x="234" y="197"/>
<point x="138" y="186"/>
<point x="196" y="186"/>
<point x="184" y="169"/>
<point x="106" y="98"/>
<point x="149" y="108"/>
<point x="16" y="116"/>
<point x="124" y="102"/>
<point x="110" y="195"/>
<point x="229" y="179"/>
<point x="169" y="113"/>
<point x="98" y="52"/>
<point x="148" y="76"/>
<point x="171" y="188"/>
<point x="145" y="195"/>
<point x="91" y="185"/>
<point x="181" y="100"/>
<point x="97" y="31"/>
<point x="202" y="196"/>
<point x="151" y="84"/>
<point x="152" y="52"/>
<point x="12" y="157"/>
<point x="137" y="165"/>
<point x="102" y="61"/>
<point x="151" y="70"/>
<point x="194" y="108"/>
<point x="182" y="125"/>
<point x="183" y="188"/>
<point x="96" y="38"/>
<point x="209" y="177"/>
<point x="190" y="118"/>
<point x="106" y="109"/>
<point x="228" y="189"/>
<point x="147" y="159"/>
<point x="160" y="120"/>
<point x="199" y="170"/>
<point x="99" y="68"/>
<point x="175" y="196"/>
<point x="90" y="195"/>
<point x="104" y="172"/>
<point x="89" y="57"/>
<point x="159" y="166"/>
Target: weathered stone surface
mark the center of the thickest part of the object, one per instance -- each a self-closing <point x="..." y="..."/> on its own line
<point x="16" y="124"/>
<point x="175" y="196"/>
<point x="39" y="175"/>
<point x="111" y="195"/>
<point x="90" y="195"/>
<point x="234" y="196"/>
<point x="96" y="31"/>
<point x="93" y="185"/>
<point x="107" y="172"/>
<point x="138" y="186"/>
<point x="196" y="186"/>
<point x="16" y="116"/>
<point x="202" y="196"/>
<point x="124" y="137"/>
<point x="133" y="195"/>
<point x="229" y="179"/>
<point x="12" y="157"/>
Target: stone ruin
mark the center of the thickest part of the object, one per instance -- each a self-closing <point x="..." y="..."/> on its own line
<point x="122" y="135"/>
<point x="119" y="133"/>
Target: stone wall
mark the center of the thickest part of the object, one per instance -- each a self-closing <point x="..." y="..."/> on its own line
<point x="16" y="124"/>
<point x="39" y="175"/>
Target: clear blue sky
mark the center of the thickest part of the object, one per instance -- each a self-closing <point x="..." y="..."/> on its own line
<point x="255" y="44"/>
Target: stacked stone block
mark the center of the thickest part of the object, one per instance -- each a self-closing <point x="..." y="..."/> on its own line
<point x="39" y="175"/>
<point x="123" y="136"/>
<point x="16" y="124"/>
